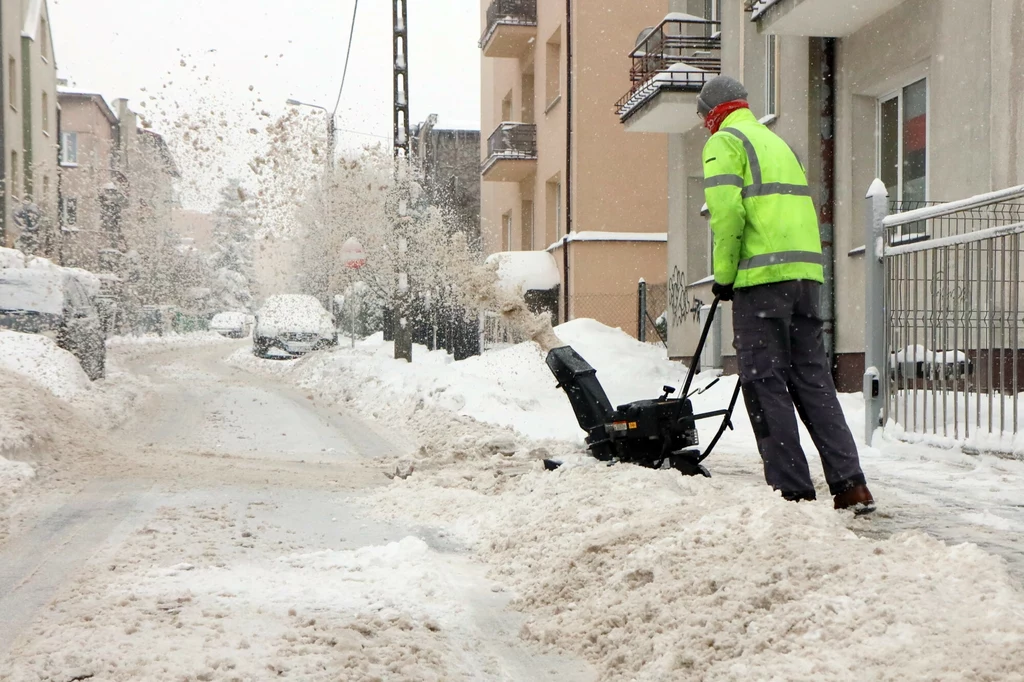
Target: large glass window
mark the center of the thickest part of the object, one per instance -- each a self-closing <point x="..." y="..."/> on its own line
<point x="903" y="146"/>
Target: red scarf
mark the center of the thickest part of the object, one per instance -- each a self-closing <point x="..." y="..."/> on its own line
<point x="721" y="112"/>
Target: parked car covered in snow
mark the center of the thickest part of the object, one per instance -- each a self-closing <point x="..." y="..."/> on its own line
<point x="53" y="302"/>
<point x="231" y="324"/>
<point x="294" y="324"/>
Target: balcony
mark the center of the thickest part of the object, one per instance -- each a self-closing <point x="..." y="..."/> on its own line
<point x="822" y="18"/>
<point x="671" y="63"/>
<point x="511" y="28"/>
<point x="511" y="153"/>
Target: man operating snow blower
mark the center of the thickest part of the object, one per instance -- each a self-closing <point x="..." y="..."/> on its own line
<point x="767" y="260"/>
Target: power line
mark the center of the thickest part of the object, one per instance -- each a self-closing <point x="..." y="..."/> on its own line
<point x="348" y="51"/>
<point x="359" y="132"/>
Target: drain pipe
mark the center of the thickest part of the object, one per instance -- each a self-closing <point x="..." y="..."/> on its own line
<point x="3" y="150"/>
<point x="568" y="116"/>
<point x="568" y="151"/>
<point x="827" y="190"/>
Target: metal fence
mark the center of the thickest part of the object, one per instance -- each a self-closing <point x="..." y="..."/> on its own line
<point x="944" y="320"/>
<point x="677" y="54"/>
<point x="509" y="12"/>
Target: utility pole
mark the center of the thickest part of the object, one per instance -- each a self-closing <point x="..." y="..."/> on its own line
<point x="401" y="216"/>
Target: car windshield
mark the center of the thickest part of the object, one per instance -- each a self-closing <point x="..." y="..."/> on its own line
<point x="30" y="291"/>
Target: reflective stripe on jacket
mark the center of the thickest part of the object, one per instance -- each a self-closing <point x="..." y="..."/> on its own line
<point x="763" y="219"/>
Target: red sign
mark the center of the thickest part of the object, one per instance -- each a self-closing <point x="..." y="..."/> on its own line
<point x="352" y="254"/>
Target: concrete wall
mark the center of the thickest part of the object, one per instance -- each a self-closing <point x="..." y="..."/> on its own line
<point x="947" y="42"/>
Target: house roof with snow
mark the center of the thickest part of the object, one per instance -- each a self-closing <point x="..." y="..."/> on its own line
<point x="97" y="99"/>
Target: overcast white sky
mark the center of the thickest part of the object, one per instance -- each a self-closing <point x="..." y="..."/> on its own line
<point x="295" y="48"/>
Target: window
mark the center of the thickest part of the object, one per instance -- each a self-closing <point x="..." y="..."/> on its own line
<point x="506" y="107"/>
<point x="506" y="223"/>
<point x="13" y="173"/>
<point x="903" y="146"/>
<point x="46" y="113"/>
<point x="69" y="149"/>
<point x="528" y="102"/>
<point x="527" y="219"/>
<point x="70" y="211"/>
<point x="12" y="82"/>
<point x="553" y="69"/>
<point x="44" y="39"/>
<point x="558" y="210"/>
<point x="771" y="76"/>
<point x="713" y="12"/>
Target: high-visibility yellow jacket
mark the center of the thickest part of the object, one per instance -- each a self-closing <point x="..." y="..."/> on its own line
<point x="764" y="222"/>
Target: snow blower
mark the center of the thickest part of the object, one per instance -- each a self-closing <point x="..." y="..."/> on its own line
<point x="657" y="433"/>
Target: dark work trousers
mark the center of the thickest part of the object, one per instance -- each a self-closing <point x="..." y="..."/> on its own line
<point x="782" y="365"/>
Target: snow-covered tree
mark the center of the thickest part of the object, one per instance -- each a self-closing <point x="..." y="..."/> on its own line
<point x="231" y="260"/>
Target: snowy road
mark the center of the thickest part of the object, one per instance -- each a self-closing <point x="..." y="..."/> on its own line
<point x="219" y="539"/>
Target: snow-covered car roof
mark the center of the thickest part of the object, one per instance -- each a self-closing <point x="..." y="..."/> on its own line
<point x="39" y="291"/>
<point x="291" y="309"/>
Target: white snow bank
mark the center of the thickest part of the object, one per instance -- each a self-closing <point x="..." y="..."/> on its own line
<point x="656" y="577"/>
<point x="170" y="340"/>
<point x="11" y="258"/>
<point x="512" y="387"/>
<point x="526" y="270"/>
<point x="40" y="360"/>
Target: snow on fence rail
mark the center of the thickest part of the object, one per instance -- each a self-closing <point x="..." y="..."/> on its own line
<point x="944" y="316"/>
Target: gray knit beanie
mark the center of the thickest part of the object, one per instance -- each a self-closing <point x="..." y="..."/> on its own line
<point x="719" y="90"/>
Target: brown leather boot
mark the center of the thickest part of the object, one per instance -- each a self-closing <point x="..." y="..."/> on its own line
<point x="858" y="498"/>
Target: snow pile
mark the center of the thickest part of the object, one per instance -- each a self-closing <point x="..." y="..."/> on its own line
<point x="526" y="270"/>
<point x="653" y="576"/>
<point x="512" y="387"/>
<point x="40" y="360"/>
<point x="169" y="341"/>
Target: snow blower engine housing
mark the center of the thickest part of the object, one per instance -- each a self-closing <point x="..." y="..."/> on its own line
<point x="656" y="433"/>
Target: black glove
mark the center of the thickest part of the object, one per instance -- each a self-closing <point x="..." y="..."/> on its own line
<point x="723" y="292"/>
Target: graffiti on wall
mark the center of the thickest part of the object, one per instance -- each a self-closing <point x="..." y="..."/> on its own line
<point x="682" y="308"/>
<point x="678" y="300"/>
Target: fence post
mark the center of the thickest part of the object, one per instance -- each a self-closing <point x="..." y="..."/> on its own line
<point x="875" y="362"/>
<point x="641" y="311"/>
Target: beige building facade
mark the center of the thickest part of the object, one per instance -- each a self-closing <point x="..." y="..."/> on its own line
<point x="28" y="171"/>
<point x="927" y="97"/>
<point x="559" y="172"/>
<point x="91" y="183"/>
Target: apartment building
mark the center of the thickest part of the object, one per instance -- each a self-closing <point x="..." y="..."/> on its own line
<point x="448" y="155"/>
<point x="28" y="128"/>
<point x="92" y="184"/>
<point x="559" y="172"/>
<point x="924" y="94"/>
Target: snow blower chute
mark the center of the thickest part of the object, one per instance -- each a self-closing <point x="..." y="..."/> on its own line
<point x="657" y="433"/>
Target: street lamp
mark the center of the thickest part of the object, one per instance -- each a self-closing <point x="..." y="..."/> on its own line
<point x="330" y="126"/>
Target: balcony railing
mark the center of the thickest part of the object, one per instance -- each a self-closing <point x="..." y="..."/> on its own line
<point x="511" y="142"/>
<point x="682" y="53"/>
<point x="508" y="13"/>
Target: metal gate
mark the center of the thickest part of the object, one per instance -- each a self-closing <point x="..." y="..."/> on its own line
<point x="943" y="319"/>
